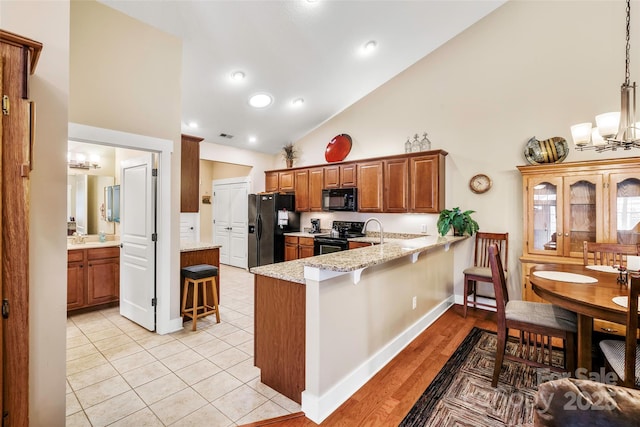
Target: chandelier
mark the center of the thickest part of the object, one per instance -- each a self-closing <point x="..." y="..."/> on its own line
<point x="616" y="129"/>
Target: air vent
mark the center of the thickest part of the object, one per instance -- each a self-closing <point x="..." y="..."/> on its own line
<point x="226" y="135"/>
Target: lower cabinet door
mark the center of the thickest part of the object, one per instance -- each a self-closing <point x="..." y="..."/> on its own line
<point x="75" y="285"/>
<point x="103" y="281"/>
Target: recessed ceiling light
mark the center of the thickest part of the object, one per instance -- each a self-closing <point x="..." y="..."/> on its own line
<point x="298" y="102"/>
<point x="193" y="125"/>
<point x="237" y="76"/>
<point x="370" y="46"/>
<point x="252" y="139"/>
<point x="260" y="100"/>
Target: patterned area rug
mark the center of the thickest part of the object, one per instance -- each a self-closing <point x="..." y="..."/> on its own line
<point x="461" y="393"/>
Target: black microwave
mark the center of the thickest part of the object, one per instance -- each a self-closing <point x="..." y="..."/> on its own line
<point x="340" y="199"/>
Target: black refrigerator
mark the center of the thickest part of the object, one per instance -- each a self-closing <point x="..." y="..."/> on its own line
<point x="270" y="216"/>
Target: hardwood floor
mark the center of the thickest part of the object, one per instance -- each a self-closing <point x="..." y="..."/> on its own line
<point x="390" y="394"/>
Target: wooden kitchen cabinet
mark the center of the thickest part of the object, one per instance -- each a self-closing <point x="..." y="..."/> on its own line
<point x="566" y="204"/>
<point x="301" y="178"/>
<point x="396" y="185"/>
<point x="190" y="174"/>
<point x="341" y="176"/>
<point x="93" y="277"/>
<point x="297" y="247"/>
<point x="370" y="190"/>
<point x="411" y="182"/>
<point x="426" y="177"/>
<point x="316" y="182"/>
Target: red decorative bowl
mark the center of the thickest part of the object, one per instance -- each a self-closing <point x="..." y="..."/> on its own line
<point x="338" y="148"/>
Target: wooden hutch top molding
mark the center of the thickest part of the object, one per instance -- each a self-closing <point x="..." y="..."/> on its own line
<point x="397" y="156"/>
<point x="583" y="166"/>
<point x="33" y="46"/>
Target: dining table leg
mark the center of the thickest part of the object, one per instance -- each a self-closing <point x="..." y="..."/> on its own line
<point x="585" y="331"/>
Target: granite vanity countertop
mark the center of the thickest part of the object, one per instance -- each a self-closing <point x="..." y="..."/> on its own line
<point x="354" y="259"/>
<point x="91" y="243"/>
<point x="196" y="246"/>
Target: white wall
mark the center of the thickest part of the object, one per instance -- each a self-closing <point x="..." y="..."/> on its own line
<point x="531" y="68"/>
<point x="48" y="23"/>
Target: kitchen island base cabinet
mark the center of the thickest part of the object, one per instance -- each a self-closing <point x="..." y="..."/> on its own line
<point x="279" y="343"/>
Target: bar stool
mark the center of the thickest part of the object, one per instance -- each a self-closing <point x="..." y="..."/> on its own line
<point x="196" y="275"/>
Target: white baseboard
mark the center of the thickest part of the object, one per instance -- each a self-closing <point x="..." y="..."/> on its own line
<point x="317" y="408"/>
<point x="481" y="300"/>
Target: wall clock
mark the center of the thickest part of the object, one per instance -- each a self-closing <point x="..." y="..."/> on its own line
<point x="480" y="183"/>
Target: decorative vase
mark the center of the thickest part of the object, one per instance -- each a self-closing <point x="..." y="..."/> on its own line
<point x="289" y="163"/>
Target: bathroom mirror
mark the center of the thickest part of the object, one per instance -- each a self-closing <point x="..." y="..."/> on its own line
<point x="112" y="200"/>
<point x="87" y="204"/>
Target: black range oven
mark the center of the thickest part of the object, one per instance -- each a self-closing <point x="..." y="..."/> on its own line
<point x="337" y="240"/>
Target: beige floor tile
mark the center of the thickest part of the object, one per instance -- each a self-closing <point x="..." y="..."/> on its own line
<point x="286" y="403"/>
<point x="79" y="419"/>
<point x="112" y="342"/>
<point x="261" y="388"/>
<point x="109" y="332"/>
<point x="77" y="341"/>
<point x="99" y="392"/>
<point x="196" y="339"/>
<point x="73" y="405"/>
<point x="168" y="349"/>
<point x="83" y="363"/>
<point x="133" y="361"/>
<point x="212" y="347"/>
<point x="217" y="385"/>
<point x="239" y="402"/>
<point x="116" y="353"/>
<point x="89" y="317"/>
<point x="95" y="326"/>
<point x="72" y="329"/>
<point x="178" y="405"/>
<point x="151" y="341"/>
<point x="143" y="418"/>
<point x="229" y="358"/>
<point x="114" y="409"/>
<point x="81" y="351"/>
<point x="221" y="329"/>
<point x="182" y="359"/>
<point x="244" y="371"/>
<point x="265" y="411"/>
<point x="68" y="387"/>
<point x="145" y="374"/>
<point x="237" y="338"/>
<point x="198" y="371"/>
<point x="91" y="376"/>
<point x="160" y="388"/>
<point x="247" y="347"/>
<point x="243" y="322"/>
<point x="206" y="416"/>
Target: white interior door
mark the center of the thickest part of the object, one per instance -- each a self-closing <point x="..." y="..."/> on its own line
<point x="137" y="228"/>
<point x="238" y="223"/>
<point x="221" y="220"/>
<point x="230" y="209"/>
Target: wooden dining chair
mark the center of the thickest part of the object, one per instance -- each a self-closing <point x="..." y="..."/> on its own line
<point x="537" y="322"/>
<point x="622" y="356"/>
<point x="597" y="253"/>
<point x="480" y="271"/>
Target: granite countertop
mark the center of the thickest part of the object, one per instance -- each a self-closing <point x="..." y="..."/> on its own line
<point x="304" y="233"/>
<point x="92" y="241"/>
<point x="354" y="259"/>
<point x="196" y="246"/>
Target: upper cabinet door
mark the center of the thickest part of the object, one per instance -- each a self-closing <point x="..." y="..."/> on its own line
<point x="190" y="174"/>
<point x="544" y="211"/>
<point x="396" y="185"/>
<point x="426" y="175"/>
<point x="624" y="208"/>
<point x="302" y="190"/>
<point x="370" y="189"/>
<point x="316" y="182"/>
<point x="583" y="213"/>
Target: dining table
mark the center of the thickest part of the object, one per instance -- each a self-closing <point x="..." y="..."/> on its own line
<point x="592" y="292"/>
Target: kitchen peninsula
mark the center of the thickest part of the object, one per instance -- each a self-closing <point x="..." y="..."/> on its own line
<point x="325" y="325"/>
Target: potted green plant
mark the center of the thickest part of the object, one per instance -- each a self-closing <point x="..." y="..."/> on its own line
<point x="289" y="153"/>
<point x="460" y="221"/>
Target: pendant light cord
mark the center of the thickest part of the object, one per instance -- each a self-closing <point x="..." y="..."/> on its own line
<point x="627" y="74"/>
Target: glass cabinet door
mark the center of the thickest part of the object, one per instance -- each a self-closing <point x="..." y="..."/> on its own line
<point x="583" y="218"/>
<point x="545" y="232"/>
<point x="624" y="198"/>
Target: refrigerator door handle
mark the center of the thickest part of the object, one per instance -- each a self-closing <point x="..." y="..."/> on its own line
<point x="259" y="226"/>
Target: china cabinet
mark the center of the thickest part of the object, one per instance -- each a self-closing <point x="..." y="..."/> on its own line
<point x="566" y="204"/>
